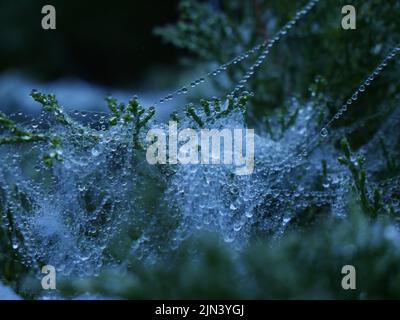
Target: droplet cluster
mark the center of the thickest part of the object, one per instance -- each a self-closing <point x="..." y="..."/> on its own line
<point x="82" y="196"/>
<point x="264" y="47"/>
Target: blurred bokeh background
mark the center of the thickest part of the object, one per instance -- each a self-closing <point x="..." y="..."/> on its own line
<point x="99" y="47"/>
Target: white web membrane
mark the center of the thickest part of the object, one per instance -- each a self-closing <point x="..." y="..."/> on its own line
<point x="103" y="205"/>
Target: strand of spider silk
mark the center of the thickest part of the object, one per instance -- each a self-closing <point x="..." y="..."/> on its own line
<point x="267" y="45"/>
<point x="345" y="107"/>
<point x="289" y="162"/>
<point x="359" y="91"/>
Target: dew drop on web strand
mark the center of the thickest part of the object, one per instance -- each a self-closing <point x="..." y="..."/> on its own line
<point x="266" y="45"/>
<point x="362" y="88"/>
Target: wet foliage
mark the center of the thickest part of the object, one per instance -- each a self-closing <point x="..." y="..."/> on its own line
<point x="76" y="191"/>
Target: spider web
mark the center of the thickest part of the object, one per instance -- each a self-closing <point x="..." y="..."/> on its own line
<point x="104" y="204"/>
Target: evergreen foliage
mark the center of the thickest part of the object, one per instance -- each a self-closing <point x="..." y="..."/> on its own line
<point x="76" y="191"/>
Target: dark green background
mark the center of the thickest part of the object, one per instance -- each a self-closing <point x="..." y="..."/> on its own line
<point x="106" y="42"/>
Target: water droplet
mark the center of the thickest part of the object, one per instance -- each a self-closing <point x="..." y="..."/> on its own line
<point x="228" y="238"/>
<point x="184" y="90"/>
<point x="324" y="132"/>
<point x="95" y="152"/>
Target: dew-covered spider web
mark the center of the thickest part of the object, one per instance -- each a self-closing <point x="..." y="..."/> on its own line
<point x="81" y="195"/>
